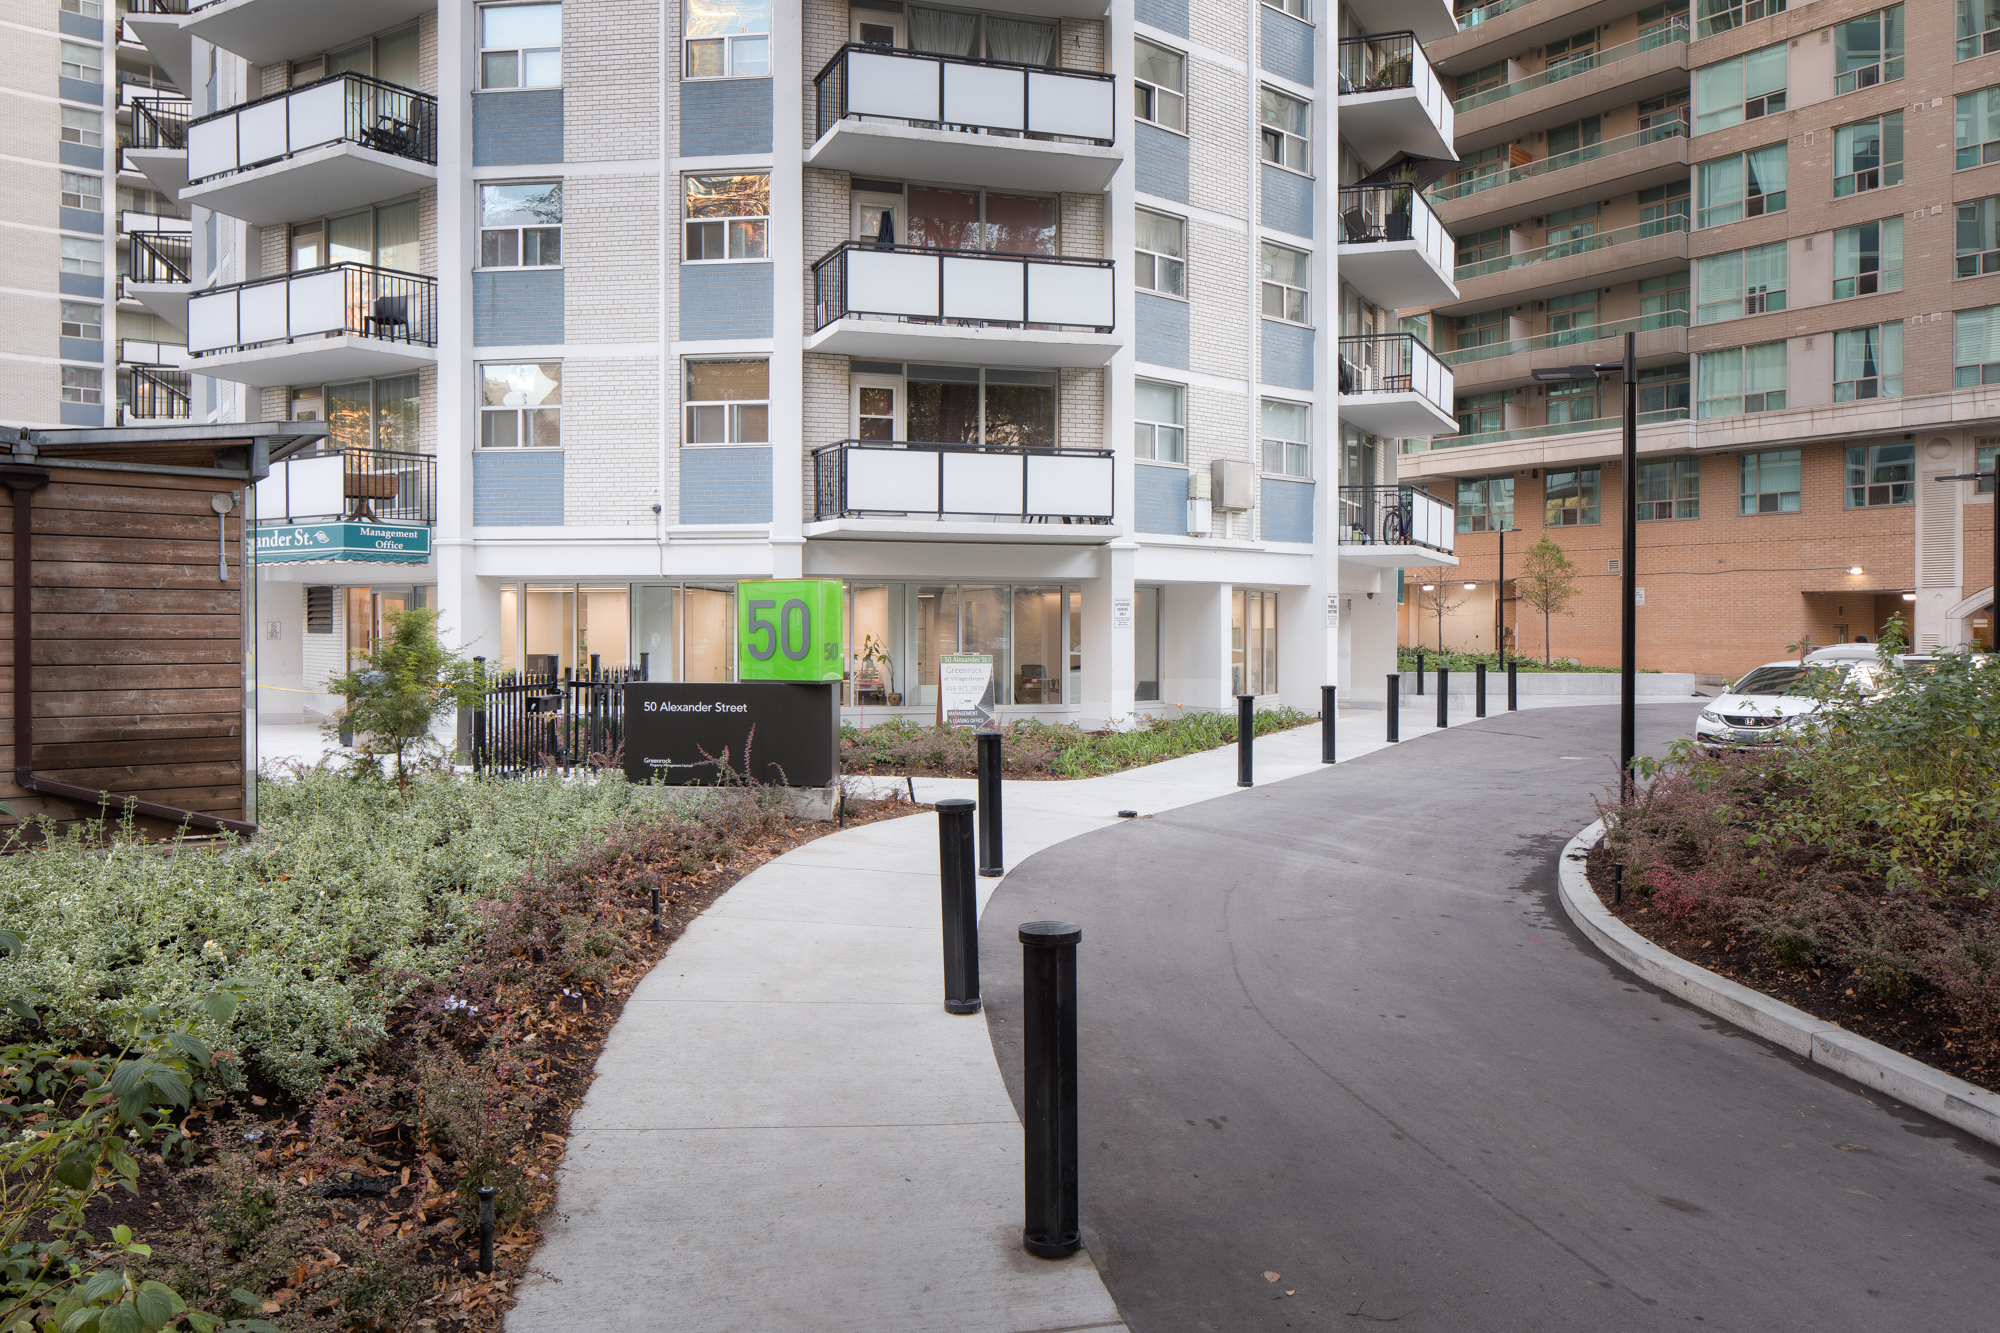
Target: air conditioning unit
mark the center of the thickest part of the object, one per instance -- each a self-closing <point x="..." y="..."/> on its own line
<point x="1199" y="510"/>
<point x="1232" y="484"/>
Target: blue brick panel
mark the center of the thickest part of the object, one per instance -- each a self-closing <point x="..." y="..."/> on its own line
<point x="1161" y="166"/>
<point x="1288" y="356"/>
<point x="523" y="307"/>
<point x="82" y="284"/>
<point x="1287" y="46"/>
<point x="517" y="487"/>
<point x="1160" y="496"/>
<point x="1166" y="15"/>
<point x="1288" y="510"/>
<point x="81" y="219"/>
<point x="79" y="90"/>
<point x="725" y="116"/>
<point x="725" y="301"/>
<point x="76" y="25"/>
<point x="516" y="128"/>
<point x="81" y="349"/>
<point x="1288" y="201"/>
<point x="726" y="485"/>
<point x="82" y="414"/>
<point x="82" y="155"/>
<point x="1163" y="331"/>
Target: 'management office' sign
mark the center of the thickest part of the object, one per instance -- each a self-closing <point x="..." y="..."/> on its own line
<point x="684" y="733"/>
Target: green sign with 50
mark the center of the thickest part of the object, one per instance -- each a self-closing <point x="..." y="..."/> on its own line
<point x="790" y="629"/>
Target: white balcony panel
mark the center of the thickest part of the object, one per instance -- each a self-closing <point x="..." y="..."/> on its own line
<point x="982" y="95"/>
<point x="1079" y="107"/>
<point x="1076" y="487"/>
<point x="268" y="32"/>
<point x="982" y="483"/>
<point x="265" y="314"/>
<point x="335" y="178"/>
<point x="892" y="481"/>
<point x="976" y="289"/>
<point x="895" y="86"/>
<point x="1433" y="523"/>
<point x="261" y="133"/>
<point x="896" y="151"/>
<point x="1070" y="294"/>
<point x="212" y="147"/>
<point x="129" y="222"/>
<point x="884" y="282"/>
<point x="318" y="303"/>
<point x="302" y="488"/>
<point x="211" y="321"/>
<point x="316" y="116"/>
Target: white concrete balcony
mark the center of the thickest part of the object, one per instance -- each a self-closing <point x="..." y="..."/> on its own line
<point x="141" y="352"/>
<point x="884" y="490"/>
<point x="159" y="274"/>
<point x="1391" y="527"/>
<point x="1393" y="385"/>
<point x="158" y="150"/>
<point x="1393" y="249"/>
<point x="1624" y="254"/>
<point x="882" y="111"/>
<point x="1630" y="162"/>
<point x="333" y="145"/>
<point x="341" y="322"/>
<point x="133" y="223"/>
<point x="1431" y="20"/>
<point x="1587" y="85"/>
<point x="918" y="303"/>
<point x="161" y="27"/>
<point x="270" y="32"/>
<point x="1391" y="101"/>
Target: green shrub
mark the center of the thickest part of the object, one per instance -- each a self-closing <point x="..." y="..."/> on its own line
<point x="1034" y="748"/>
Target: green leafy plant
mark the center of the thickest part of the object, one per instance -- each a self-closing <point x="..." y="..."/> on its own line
<point x="407" y="681"/>
<point x="1546" y="583"/>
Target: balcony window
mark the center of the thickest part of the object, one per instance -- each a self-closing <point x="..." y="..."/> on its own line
<point x="520" y="406"/>
<point x="82" y="384"/>
<point x="997" y="407"/>
<point x="1740" y="283"/>
<point x="1713" y="16"/>
<point x="1663" y="301"/>
<point x="1771" y="482"/>
<point x="392" y="57"/>
<point x="976" y="36"/>
<point x="1744" y="185"/>
<point x="1286" y="452"/>
<point x="1159" y="86"/>
<point x="89" y="9"/>
<point x="520" y="46"/>
<point x="82" y="256"/>
<point x="1481" y="330"/>
<point x="1730" y="92"/>
<point x="1868" y="50"/>
<point x="82" y="62"/>
<point x="520" y="226"/>
<point x="1989" y="453"/>
<point x="1570" y="498"/>
<point x="1881" y="474"/>
<point x="1573" y="318"/>
<point x="1570" y="55"/>
<point x="996" y="221"/>
<point x="1976" y="128"/>
<point x="384" y="236"/>
<point x="1868" y="363"/>
<point x="1669" y="489"/>
<point x="1975" y="341"/>
<point x="1869" y="155"/>
<point x="728" y="402"/>
<point x="1486" y="504"/>
<point x="1286" y="127"/>
<point x="80" y="320"/>
<point x="1570" y="224"/>
<point x="85" y="192"/>
<point x="1737" y="380"/>
<point x="1664" y="388"/>
<point x="1661" y="18"/>
<point x="1485" y="162"/>
<point x="1868" y="259"/>
<point x="375" y="414"/>
<point x="1298" y="9"/>
<point x="1283" y="273"/>
<point x="1479" y="413"/>
<point x="1572" y="400"/>
<point x="1978" y="28"/>
<point x="727" y="39"/>
<point x="1577" y="137"/>
<point x="82" y="127"/>
<point x="727" y="216"/>
<point x="1253" y="642"/>
<point x="1479" y="246"/>
<point x="1480" y="80"/>
<point x="1159" y="252"/>
<point x="1978" y="238"/>
<point x="1160" y="425"/>
<point x="1661" y="206"/>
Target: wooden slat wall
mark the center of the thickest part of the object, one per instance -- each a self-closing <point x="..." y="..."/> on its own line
<point x="138" y="645"/>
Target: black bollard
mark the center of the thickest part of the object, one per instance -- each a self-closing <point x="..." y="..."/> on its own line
<point x="1246" y="737"/>
<point x="1617" y="882"/>
<point x="992" y="861"/>
<point x="1479" y="690"/>
<point x="1326" y="710"/>
<point x="656" y="907"/>
<point x="961" y="906"/>
<point x="1395" y="704"/>
<point x="486" y="1229"/>
<point x="1444" y="696"/>
<point x="1513" y="697"/>
<point x="1048" y="1078"/>
<point x="1420" y="671"/>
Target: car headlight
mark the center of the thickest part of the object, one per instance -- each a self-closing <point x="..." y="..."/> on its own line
<point x="1707" y="716"/>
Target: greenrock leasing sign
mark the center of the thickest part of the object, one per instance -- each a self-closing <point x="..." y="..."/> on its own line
<point x="302" y="543"/>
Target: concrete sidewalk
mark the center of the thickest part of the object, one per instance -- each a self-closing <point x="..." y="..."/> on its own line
<point x="787" y="1131"/>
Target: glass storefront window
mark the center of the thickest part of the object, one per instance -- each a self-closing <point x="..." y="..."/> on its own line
<point x="1146" y="644"/>
<point x="1253" y="642"/>
<point x="708" y="617"/>
<point x="896" y="632"/>
<point x="1037" y="662"/>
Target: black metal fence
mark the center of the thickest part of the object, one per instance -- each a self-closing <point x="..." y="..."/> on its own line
<point x="160" y="122"/>
<point x="529" y="721"/>
<point x="161" y="256"/>
<point x="159" y="394"/>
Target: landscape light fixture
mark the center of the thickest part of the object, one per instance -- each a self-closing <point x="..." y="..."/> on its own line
<point x="1430" y="587"/>
<point x="1628" y="566"/>
<point x="1854" y="569"/>
<point x="1909" y="597"/>
<point x="1471" y="586"/>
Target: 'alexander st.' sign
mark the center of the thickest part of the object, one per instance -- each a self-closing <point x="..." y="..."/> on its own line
<point x="301" y="543"/>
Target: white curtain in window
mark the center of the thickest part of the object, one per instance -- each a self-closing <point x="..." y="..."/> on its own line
<point x="1764" y="269"/>
<point x="1764" y="368"/>
<point x="1976" y="336"/>
<point x="1022" y="43"/>
<point x="396" y="243"/>
<point x="943" y="32"/>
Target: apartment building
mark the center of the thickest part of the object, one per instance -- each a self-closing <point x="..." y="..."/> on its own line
<point x="1791" y="208"/>
<point x="1058" y="331"/>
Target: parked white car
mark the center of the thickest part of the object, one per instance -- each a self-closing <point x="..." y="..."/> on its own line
<point x="1771" y="702"/>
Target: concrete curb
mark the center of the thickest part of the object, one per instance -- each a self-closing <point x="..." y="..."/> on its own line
<point x="1911" y="1082"/>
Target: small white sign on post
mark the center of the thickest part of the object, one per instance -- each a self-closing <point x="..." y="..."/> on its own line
<point x="965" y="690"/>
<point x="1638" y="596"/>
<point x="1121" y="613"/>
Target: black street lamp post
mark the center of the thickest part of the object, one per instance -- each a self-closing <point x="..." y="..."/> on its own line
<point x="1627" y="567"/>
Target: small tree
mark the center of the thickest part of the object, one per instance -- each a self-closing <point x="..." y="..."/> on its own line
<point x="1434" y="596"/>
<point x="1547" y="583"/>
<point x="398" y="692"/>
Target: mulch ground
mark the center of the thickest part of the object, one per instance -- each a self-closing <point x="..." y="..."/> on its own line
<point x="1920" y="1025"/>
<point x="388" y="1187"/>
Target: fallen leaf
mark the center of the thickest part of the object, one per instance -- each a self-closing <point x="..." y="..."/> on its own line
<point x="1269" y="1276"/>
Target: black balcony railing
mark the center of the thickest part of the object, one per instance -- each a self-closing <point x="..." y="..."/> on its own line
<point x="156" y="6"/>
<point x="354" y="299"/>
<point x="160" y="256"/>
<point x="928" y="284"/>
<point x="376" y="485"/>
<point x="383" y="116"/>
<point x="159" y="395"/>
<point x="1379" y="62"/>
<point x="936" y="91"/>
<point x="915" y="478"/>
<point x="160" y="122"/>
<point x="1395" y="516"/>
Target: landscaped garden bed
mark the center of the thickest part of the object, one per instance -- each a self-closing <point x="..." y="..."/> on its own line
<point x="1852" y="876"/>
<point x="1044" y="749"/>
<point x="326" y="1040"/>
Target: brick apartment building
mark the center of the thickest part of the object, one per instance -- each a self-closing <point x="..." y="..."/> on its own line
<point x="1797" y="212"/>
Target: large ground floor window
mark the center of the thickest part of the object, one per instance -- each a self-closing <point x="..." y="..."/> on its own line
<point x="1253" y="642"/>
<point x="896" y="633"/>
